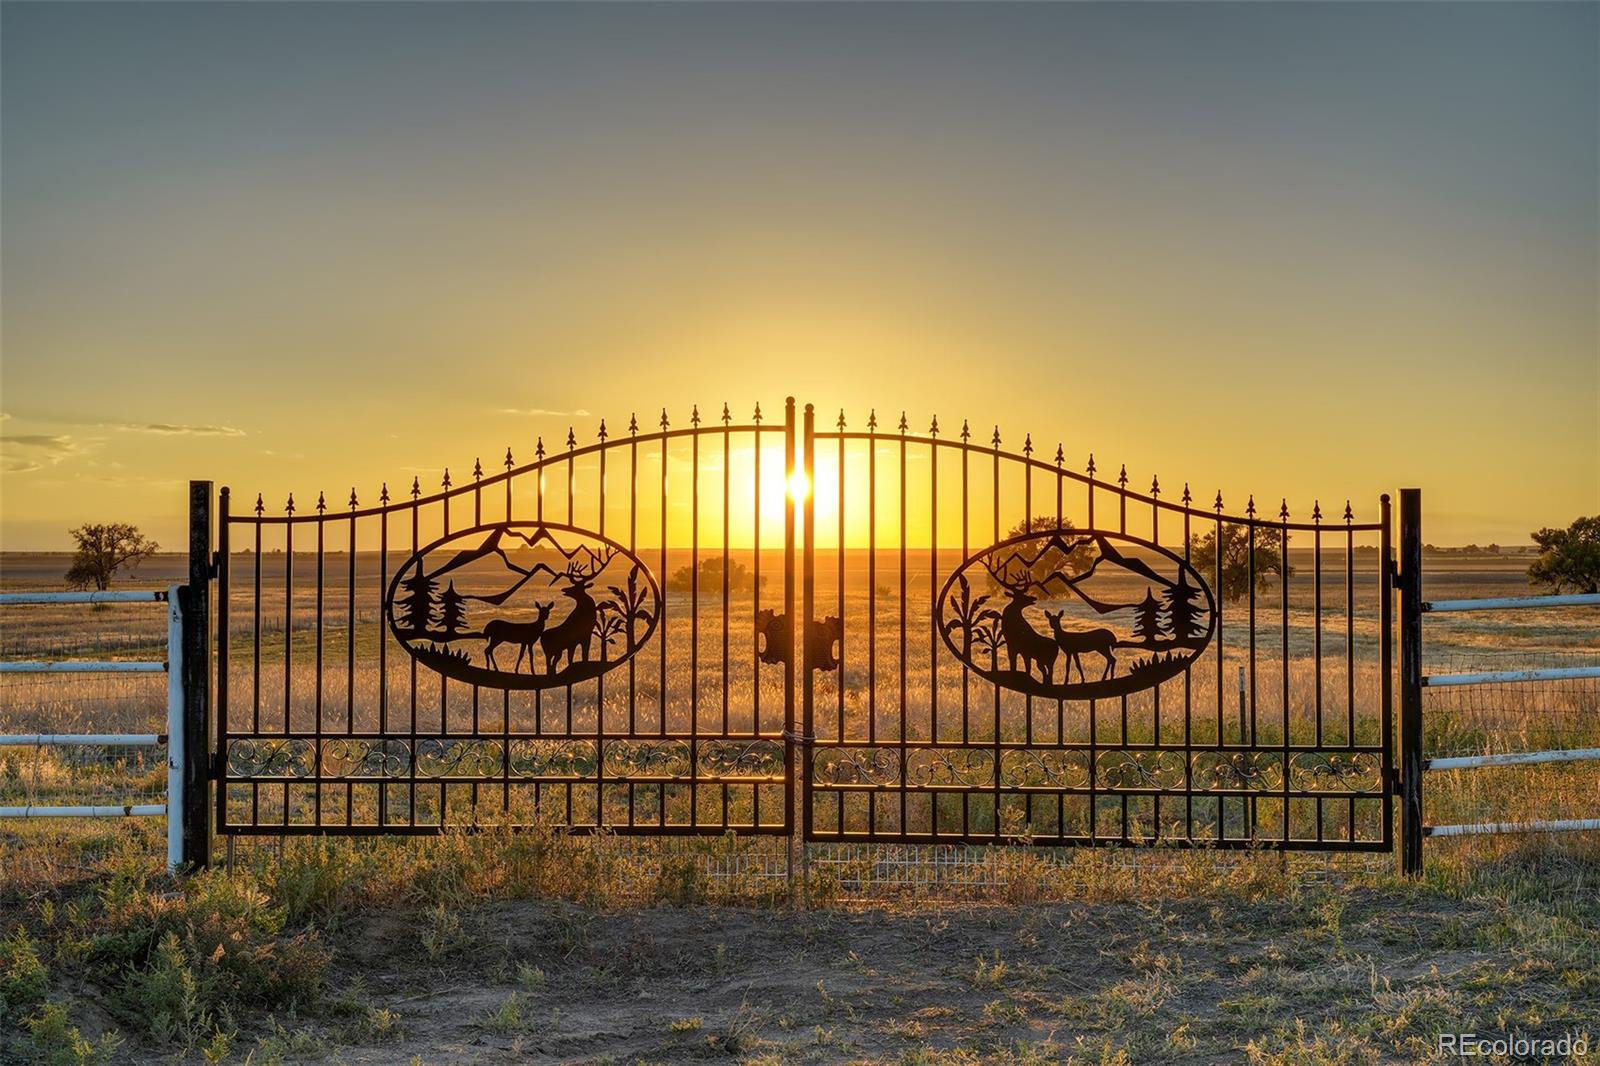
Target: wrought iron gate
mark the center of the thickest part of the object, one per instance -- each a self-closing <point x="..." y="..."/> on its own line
<point x="968" y="644"/>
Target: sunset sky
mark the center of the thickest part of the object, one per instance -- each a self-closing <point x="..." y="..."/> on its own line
<point x="1295" y="250"/>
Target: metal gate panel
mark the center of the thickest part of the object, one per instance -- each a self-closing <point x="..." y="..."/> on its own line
<point x="958" y="577"/>
<point x="569" y="642"/>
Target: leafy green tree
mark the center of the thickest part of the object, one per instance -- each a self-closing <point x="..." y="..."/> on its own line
<point x="1236" y="555"/>
<point x="105" y="549"/>
<point x="1569" y="559"/>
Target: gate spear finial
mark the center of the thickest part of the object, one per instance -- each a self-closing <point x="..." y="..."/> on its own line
<point x="572" y="439"/>
<point x="902" y="423"/>
<point x="602" y="432"/>
<point x="259" y="505"/>
<point x="383" y="496"/>
<point x="872" y="420"/>
<point x="477" y="469"/>
<point x="664" y="422"/>
<point x="353" y="504"/>
<point x="1349" y="515"/>
<point x="966" y="432"/>
<point x="322" y="502"/>
<point x="1316" y="510"/>
<point x="1155" y="486"/>
<point x="758" y="413"/>
<point x="289" y="507"/>
<point x="1218" y="504"/>
<point x="1090" y="467"/>
<point x="694" y="415"/>
<point x="1027" y="445"/>
<point x="726" y="417"/>
<point x="538" y="447"/>
<point x="444" y="482"/>
<point x="508" y="457"/>
<point x="1061" y="456"/>
<point x="1250" y="507"/>
<point x="633" y="424"/>
<point x="416" y="486"/>
<point x="1122" y="478"/>
<point x="933" y="429"/>
<point x="840" y="423"/>
<point x="1186" y="497"/>
<point x="1283" y="510"/>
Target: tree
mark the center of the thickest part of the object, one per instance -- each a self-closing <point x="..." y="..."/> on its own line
<point x="452" y="611"/>
<point x="417" y="606"/>
<point x="1181" y="611"/>
<point x="1569" y="559"/>
<point x="1147" y="619"/>
<point x="1054" y="560"/>
<point x="1236" y="556"/>
<point x="739" y="577"/>
<point x="105" y="549"/>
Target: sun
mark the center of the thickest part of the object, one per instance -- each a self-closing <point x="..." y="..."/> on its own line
<point x="799" y="485"/>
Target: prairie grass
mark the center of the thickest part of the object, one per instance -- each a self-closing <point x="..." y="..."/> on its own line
<point x="1260" y="956"/>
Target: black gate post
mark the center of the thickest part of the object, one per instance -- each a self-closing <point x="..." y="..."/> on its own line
<point x="788" y="653"/>
<point x="1410" y="579"/>
<point x="196" y="595"/>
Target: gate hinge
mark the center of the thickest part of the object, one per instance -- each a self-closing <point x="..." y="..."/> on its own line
<point x="216" y="564"/>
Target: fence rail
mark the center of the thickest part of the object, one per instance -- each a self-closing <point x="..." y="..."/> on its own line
<point x="1412" y="682"/>
<point x="173" y="738"/>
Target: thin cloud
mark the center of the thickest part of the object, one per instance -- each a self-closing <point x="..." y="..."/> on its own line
<point x="175" y="429"/>
<point x="536" y="412"/>
<point x="23" y="453"/>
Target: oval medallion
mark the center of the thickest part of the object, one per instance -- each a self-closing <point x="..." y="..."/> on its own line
<point x="1076" y="614"/>
<point x="523" y="605"/>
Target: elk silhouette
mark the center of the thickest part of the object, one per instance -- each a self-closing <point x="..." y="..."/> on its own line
<point x="1022" y="640"/>
<point x="1081" y="642"/>
<point x="576" y="630"/>
<point x="523" y="634"/>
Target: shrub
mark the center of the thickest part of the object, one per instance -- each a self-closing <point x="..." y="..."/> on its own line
<point x="23" y="978"/>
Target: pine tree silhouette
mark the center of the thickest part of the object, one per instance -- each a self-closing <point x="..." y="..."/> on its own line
<point x="452" y="611"/>
<point x="1147" y="619"/>
<point x="417" y="606"/>
<point x="1181" y="612"/>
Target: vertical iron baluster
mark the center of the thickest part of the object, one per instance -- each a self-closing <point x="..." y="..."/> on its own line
<point x="1155" y="693"/>
<point x="1283" y="599"/>
<point x="808" y="591"/>
<point x="694" y="618"/>
<point x="444" y="682"/>
<point x="350" y="628"/>
<point x="872" y="599"/>
<point x="288" y="631"/>
<point x="1222" y="739"/>
<point x="755" y="603"/>
<point x="661" y="686"/>
<point x="1316" y="612"/>
<point x="411" y="765"/>
<point x="1188" y="701"/>
<point x="1386" y="666"/>
<point x="505" y="695"/>
<point x="477" y="520"/>
<point x="224" y="633"/>
<point x="727" y="588"/>
<point x="633" y="547"/>
<point x="933" y="583"/>
<point x="788" y="611"/>
<point x="904" y="711"/>
<point x="1094" y="705"/>
<point x="1061" y="705"/>
<point x="839" y="733"/>
<point x="255" y="630"/>
<point x="383" y="647"/>
<point x="995" y="539"/>
<point x="1350" y="628"/>
<point x="1250" y="555"/>
<point x="600" y="682"/>
<point x="316" y="743"/>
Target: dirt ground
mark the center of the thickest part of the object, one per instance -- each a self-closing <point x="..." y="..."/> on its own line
<point x="1349" y="976"/>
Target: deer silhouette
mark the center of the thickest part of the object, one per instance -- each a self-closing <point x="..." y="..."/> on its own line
<point x="576" y="630"/>
<point x="1080" y="642"/>
<point x="1022" y="640"/>
<point x="523" y="634"/>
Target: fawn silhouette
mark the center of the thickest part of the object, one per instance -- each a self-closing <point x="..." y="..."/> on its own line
<point x="523" y="634"/>
<point x="1079" y="642"/>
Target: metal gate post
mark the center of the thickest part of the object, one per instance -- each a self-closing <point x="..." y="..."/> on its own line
<point x="788" y="659"/>
<point x="196" y="605"/>
<point x="802" y="635"/>
<point x="1410" y="580"/>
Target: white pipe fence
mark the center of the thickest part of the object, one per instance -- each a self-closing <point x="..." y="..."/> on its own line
<point x="173" y="738"/>
<point x="1512" y="603"/>
<point x="1515" y="758"/>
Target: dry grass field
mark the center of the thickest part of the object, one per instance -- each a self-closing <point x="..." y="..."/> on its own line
<point x="499" y="946"/>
